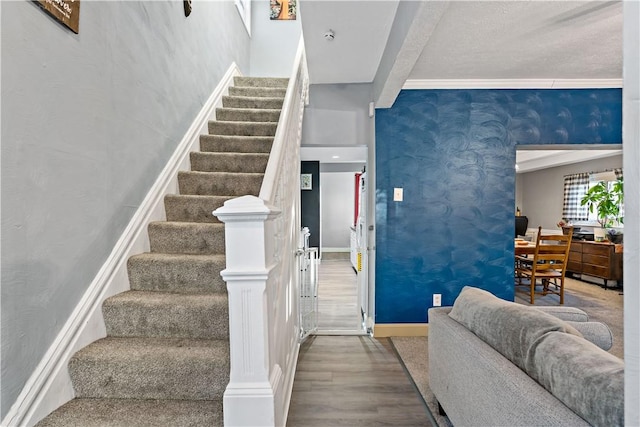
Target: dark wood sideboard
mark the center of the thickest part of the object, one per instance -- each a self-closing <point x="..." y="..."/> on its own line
<point x="596" y="259"/>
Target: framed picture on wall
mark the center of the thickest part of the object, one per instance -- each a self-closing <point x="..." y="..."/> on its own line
<point x="283" y="10"/>
<point x="66" y="12"/>
<point x="305" y="181"/>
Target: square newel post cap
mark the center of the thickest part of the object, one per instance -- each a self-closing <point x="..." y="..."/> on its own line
<point x="245" y="208"/>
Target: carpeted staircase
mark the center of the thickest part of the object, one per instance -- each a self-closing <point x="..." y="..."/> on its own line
<point x="165" y="360"/>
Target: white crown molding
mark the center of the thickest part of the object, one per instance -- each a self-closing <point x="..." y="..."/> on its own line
<point x="50" y="384"/>
<point x="512" y="83"/>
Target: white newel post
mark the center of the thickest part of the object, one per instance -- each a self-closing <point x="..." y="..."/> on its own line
<point x="249" y="399"/>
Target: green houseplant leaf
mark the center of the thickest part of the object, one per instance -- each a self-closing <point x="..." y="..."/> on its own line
<point x="606" y="202"/>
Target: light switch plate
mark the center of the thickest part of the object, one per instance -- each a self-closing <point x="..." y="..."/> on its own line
<point x="397" y="194"/>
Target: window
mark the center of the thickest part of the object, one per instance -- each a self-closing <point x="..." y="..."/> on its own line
<point x="575" y="188"/>
<point x="610" y="179"/>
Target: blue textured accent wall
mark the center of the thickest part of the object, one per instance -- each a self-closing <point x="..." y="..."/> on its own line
<point x="453" y="153"/>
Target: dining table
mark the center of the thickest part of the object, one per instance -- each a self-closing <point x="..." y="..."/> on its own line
<point x="527" y="248"/>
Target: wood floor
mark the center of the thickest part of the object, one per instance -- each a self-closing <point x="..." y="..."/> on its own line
<point x="350" y="380"/>
<point x="337" y="296"/>
<point x="353" y="381"/>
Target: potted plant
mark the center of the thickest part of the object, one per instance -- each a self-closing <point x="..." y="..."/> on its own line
<point x="607" y="202"/>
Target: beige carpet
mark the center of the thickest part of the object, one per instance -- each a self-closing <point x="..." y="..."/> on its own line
<point x="600" y="304"/>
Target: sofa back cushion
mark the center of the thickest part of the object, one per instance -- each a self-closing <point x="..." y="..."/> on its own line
<point x="510" y="328"/>
<point x="584" y="377"/>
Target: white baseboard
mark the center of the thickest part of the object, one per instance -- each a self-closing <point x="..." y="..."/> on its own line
<point x="288" y="382"/>
<point x="50" y="385"/>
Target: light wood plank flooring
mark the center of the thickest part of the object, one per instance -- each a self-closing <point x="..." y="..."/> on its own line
<point x="353" y="381"/>
<point x="337" y="296"/>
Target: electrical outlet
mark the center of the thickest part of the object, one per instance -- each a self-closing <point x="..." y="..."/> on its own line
<point x="437" y="300"/>
<point x="397" y="194"/>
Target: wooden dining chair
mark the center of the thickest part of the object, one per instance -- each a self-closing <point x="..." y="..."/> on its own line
<point x="548" y="264"/>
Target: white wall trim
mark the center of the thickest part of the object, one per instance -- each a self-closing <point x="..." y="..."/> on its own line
<point x="289" y="377"/>
<point x="50" y="385"/>
<point x="511" y="83"/>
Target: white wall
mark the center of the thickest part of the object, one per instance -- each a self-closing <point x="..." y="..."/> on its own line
<point x="338" y="115"/>
<point x="541" y="193"/>
<point x="88" y="123"/>
<point x="337" y="205"/>
<point x="273" y="43"/>
<point x="631" y="153"/>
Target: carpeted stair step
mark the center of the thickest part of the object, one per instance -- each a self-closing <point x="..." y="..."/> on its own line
<point x="220" y="183"/>
<point x="258" y="92"/>
<point x="177" y="273"/>
<point x="252" y="102"/>
<point x="229" y="162"/>
<point x="247" y="115"/>
<point x="136" y="413"/>
<point x="242" y="128"/>
<point x="151" y="368"/>
<point x="281" y="82"/>
<point x="168" y="315"/>
<point x="192" y="208"/>
<point x="171" y="237"/>
<point x="236" y="144"/>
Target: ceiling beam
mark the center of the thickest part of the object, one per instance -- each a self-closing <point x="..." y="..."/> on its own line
<point x="412" y="27"/>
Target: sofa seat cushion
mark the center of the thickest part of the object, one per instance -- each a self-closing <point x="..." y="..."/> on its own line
<point x="510" y="328"/>
<point x="587" y="379"/>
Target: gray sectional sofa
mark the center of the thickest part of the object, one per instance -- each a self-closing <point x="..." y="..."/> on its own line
<point x="497" y="363"/>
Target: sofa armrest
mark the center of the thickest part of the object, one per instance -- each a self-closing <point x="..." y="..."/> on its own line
<point x="572" y="314"/>
<point x="596" y="332"/>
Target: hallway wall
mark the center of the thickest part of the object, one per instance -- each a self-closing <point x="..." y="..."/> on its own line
<point x="88" y="122"/>
<point x="337" y="201"/>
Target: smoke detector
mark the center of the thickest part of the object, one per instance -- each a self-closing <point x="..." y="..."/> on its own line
<point x="329" y="35"/>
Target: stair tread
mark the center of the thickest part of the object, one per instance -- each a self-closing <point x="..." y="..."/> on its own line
<point x="240" y="123"/>
<point x="247" y="98"/>
<point x="198" y="197"/>
<point x="239" y="138"/>
<point x="126" y="348"/>
<point x="135" y="413"/>
<point x="252" y="110"/>
<point x="221" y="173"/>
<point x="154" y="298"/>
<point x="184" y="224"/>
<point x="179" y="273"/>
<point x="229" y="154"/>
<point x="248" y="81"/>
<point x="151" y="368"/>
<point x="179" y="257"/>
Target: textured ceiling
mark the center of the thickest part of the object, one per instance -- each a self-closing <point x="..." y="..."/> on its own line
<point x="525" y="40"/>
<point x="471" y="40"/>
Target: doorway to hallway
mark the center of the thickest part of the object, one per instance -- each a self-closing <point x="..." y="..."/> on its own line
<point x="342" y="292"/>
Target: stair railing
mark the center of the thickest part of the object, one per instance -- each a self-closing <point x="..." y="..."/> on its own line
<point x="261" y="238"/>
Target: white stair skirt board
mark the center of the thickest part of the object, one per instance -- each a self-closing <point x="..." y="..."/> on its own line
<point x="50" y="385"/>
